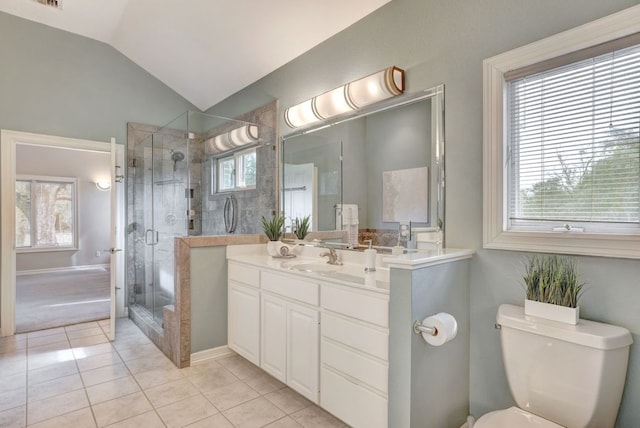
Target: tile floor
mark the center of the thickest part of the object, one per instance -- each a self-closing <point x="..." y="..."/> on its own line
<point x="74" y="377"/>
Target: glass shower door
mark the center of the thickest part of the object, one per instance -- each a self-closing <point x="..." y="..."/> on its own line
<point x="170" y="181"/>
<point x="160" y="209"/>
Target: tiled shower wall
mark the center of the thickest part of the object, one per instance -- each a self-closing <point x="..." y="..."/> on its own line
<point x="251" y="204"/>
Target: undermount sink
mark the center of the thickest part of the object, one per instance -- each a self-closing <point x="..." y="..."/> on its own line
<point x="315" y="267"/>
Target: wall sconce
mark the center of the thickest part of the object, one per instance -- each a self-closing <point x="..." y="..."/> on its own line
<point x="245" y="135"/>
<point x="360" y="93"/>
<point x="103" y="184"/>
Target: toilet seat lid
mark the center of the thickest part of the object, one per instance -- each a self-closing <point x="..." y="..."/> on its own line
<point x="513" y="417"/>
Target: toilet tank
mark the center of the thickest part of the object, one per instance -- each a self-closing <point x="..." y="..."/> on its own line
<point x="572" y="375"/>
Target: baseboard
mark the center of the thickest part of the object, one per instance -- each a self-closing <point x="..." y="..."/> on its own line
<point x="62" y="269"/>
<point x="210" y="354"/>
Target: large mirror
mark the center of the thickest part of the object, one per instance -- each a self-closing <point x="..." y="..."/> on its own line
<point x="377" y="174"/>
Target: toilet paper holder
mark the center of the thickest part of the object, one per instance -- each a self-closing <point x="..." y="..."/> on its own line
<point x="419" y="328"/>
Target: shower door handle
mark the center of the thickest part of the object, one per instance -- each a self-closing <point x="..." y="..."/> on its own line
<point x="155" y="237"/>
<point x="230" y="214"/>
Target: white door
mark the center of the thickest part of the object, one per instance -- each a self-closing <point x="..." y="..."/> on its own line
<point x="301" y="193"/>
<point x="244" y="321"/>
<point x="273" y="349"/>
<point x="302" y="350"/>
<point x="114" y="249"/>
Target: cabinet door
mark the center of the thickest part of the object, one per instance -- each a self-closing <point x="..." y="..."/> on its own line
<point x="273" y="354"/>
<point x="244" y="321"/>
<point x="303" y="350"/>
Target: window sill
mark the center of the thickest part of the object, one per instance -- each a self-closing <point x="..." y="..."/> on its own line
<point x="584" y="244"/>
<point x="44" y="250"/>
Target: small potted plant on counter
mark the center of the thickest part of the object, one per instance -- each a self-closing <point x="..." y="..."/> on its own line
<point x="552" y="288"/>
<point x="301" y="227"/>
<point x="273" y="228"/>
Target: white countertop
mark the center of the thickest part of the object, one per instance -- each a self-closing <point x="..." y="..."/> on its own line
<point x="347" y="274"/>
<point x="351" y="272"/>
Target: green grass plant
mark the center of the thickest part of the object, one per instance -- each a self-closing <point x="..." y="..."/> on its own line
<point x="273" y="228"/>
<point x="553" y="279"/>
<point x="301" y="226"/>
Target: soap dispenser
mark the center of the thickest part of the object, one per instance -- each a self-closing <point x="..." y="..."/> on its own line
<point x="370" y="258"/>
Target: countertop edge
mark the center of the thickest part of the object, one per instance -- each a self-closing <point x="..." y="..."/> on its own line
<point x="422" y="260"/>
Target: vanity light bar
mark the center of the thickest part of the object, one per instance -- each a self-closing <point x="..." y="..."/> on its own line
<point x="247" y="134"/>
<point x="360" y="93"/>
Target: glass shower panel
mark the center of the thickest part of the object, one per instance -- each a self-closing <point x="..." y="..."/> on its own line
<point x="141" y="200"/>
<point x="170" y="195"/>
<point x="169" y="213"/>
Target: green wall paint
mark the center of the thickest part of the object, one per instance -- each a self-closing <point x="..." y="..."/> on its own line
<point x="208" y="298"/>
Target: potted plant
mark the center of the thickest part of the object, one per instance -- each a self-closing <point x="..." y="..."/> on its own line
<point x="552" y="288"/>
<point x="273" y="228"/>
<point x="301" y="227"/>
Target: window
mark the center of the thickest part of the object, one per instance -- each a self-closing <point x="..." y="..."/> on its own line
<point x="236" y="172"/>
<point x="45" y="213"/>
<point x="562" y="144"/>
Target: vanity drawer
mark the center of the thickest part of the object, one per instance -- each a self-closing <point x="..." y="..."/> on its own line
<point x="365" y="307"/>
<point x="361" y="337"/>
<point x="244" y="274"/>
<point x="354" y="404"/>
<point x="291" y="287"/>
<point x="354" y="365"/>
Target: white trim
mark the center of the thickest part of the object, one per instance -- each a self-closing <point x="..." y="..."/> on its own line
<point x="202" y="357"/>
<point x="7" y="224"/>
<point x="62" y="269"/>
<point x="8" y="141"/>
<point x="495" y="236"/>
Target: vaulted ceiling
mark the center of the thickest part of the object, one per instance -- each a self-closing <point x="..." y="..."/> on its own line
<point x="205" y="50"/>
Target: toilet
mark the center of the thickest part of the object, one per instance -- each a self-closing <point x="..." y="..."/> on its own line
<point x="560" y="375"/>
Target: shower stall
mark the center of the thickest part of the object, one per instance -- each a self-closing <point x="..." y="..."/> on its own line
<point x="172" y="191"/>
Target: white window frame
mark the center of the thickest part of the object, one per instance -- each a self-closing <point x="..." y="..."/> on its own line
<point x="46" y="179"/>
<point x="216" y="171"/>
<point x="495" y="233"/>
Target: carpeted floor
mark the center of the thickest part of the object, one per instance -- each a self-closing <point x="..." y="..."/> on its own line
<point x="47" y="300"/>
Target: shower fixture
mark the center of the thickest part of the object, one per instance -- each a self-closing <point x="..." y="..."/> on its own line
<point x="176" y="157"/>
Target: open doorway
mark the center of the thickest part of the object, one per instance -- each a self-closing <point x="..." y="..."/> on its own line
<point x="60" y="219"/>
<point x="61" y="237"/>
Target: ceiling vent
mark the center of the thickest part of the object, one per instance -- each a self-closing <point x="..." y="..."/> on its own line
<point x="53" y="3"/>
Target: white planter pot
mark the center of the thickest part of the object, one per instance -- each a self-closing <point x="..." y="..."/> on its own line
<point x="552" y="312"/>
<point x="273" y="248"/>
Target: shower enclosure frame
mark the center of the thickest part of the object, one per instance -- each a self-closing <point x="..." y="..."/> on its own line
<point x="190" y="134"/>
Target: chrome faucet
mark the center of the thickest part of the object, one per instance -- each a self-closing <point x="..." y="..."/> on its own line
<point x="333" y="257"/>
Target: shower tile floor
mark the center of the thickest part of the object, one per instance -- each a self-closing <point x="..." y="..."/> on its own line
<point x="73" y="376"/>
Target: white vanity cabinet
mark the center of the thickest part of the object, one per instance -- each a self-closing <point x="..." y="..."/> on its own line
<point x="290" y="332"/>
<point x="327" y="340"/>
<point x="355" y="355"/>
<point x="243" y="320"/>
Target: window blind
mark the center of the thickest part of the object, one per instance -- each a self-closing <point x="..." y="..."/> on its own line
<point x="574" y="144"/>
